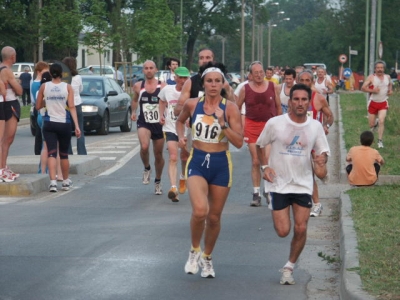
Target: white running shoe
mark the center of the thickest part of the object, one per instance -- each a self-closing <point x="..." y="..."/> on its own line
<point x="158" y="188"/>
<point x="8" y="170"/>
<point x="146" y="176"/>
<point x="380" y="144"/>
<point x="316" y="210"/>
<point x="287" y="276"/>
<point x="192" y="264"/>
<point x="6" y="176"/>
<point x="207" y="266"/>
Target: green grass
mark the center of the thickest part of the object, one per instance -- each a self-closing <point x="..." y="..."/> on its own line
<point x="355" y="121"/>
<point x="25" y="111"/>
<point x="376" y="209"/>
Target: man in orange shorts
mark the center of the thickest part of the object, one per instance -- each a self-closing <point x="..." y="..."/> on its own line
<point x="262" y="102"/>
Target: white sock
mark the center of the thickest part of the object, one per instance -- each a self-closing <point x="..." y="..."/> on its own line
<point x="289" y="265"/>
<point x="53" y="182"/>
<point x="256" y="190"/>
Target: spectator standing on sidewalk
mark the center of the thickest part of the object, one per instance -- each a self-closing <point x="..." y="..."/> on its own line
<point x="292" y="137"/>
<point x="364" y="162"/>
<point x="169" y="98"/>
<point x="77" y="87"/>
<point x="380" y="87"/>
<point x="58" y="97"/>
<point x="40" y="68"/>
<point x="25" y="79"/>
<point x="10" y="111"/>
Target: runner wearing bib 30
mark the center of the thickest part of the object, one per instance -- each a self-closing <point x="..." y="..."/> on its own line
<point x="148" y="122"/>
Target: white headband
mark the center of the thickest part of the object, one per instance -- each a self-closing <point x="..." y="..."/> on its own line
<point x="212" y="69"/>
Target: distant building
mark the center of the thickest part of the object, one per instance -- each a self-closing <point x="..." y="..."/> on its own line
<point x="85" y="59"/>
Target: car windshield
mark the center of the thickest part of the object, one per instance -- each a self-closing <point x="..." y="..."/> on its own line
<point x="92" y="87"/>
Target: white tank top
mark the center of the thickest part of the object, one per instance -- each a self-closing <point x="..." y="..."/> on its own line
<point x="56" y="97"/>
<point x="283" y="96"/>
<point x="10" y="96"/>
<point x="383" y="89"/>
<point x="320" y="87"/>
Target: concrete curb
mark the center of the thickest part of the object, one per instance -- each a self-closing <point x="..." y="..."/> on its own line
<point x="350" y="281"/>
<point x="30" y="183"/>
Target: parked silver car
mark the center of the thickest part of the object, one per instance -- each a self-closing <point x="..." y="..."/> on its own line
<point x="104" y="105"/>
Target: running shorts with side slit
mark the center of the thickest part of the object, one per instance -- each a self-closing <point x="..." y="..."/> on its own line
<point x="12" y="108"/>
<point x="2" y="112"/>
<point x="281" y="201"/>
<point x="215" y="167"/>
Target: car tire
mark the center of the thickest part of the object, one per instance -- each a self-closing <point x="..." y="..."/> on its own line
<point x="105" y="124"/>
<point x="127" y="125"/>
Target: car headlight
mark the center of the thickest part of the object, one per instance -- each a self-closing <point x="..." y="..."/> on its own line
<point x="89" y="108"/>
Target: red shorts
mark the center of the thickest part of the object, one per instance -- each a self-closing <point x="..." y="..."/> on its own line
<point x="252" y="130"/>
<point x="375" y="107"/>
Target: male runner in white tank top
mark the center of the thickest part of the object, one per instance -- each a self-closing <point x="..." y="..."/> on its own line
<point x="379" y="86"/>
<point x="289" y="77"/>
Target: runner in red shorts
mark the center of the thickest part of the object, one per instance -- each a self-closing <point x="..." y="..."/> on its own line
<point x="262" y="103"/>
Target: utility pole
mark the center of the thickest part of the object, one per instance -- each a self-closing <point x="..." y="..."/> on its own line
<point x="372" y="37"/>
<point x="180" y="19"/>
<point x="40" y="48"/>
<point x="242" y="44"/>
<point x="366" y="39"/>
<point x="253" y="33"/>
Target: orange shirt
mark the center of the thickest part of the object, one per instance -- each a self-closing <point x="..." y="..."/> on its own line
<point x="363" y="159"/>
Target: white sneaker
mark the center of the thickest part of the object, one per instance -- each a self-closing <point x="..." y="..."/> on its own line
<point x="146" y="176"/>
<point x="6" y="176"/>
<point x="158" y="188"/>
<point x="8" y="170"/>
<point x="380" y="144"/>
<point x="316" y="210"/>
<point x="192" y="264"/>
<point x="207" y="266"/>
<point x="287" y="276"/>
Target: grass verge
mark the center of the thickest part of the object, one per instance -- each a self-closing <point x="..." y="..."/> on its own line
<point x="376" y="209"/>
<point x="25" y="111"/>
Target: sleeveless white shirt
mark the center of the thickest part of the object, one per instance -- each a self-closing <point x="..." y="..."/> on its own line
<point x="383" y="89"/>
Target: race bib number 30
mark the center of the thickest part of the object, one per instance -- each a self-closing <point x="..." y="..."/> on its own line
<point x="206" y="129"/>
<point x="151" y="113"/>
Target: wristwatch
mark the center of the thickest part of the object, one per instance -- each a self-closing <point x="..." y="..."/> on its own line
<point x="264" y="167"/>
<point x="327" y="126"/>
<point x="225" y="126"/>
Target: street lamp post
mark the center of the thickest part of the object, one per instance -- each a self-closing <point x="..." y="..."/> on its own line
<point x="223" y="39"/>
<point x="270" y="25"/>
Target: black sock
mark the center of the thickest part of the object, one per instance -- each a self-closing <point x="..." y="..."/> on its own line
<point x="147" y="168"/>
<point x="157" y="180"/>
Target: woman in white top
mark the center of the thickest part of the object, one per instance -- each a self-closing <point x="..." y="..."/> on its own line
<point x="77" y="86"/>
<point x="58" y="98"/>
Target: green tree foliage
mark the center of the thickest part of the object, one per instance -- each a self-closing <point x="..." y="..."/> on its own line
<point x="97" y="30"/>
<point x="61" y="25"/>
<point x="154" y="32"/>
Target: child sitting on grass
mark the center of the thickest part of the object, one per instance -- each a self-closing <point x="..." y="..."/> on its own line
<point x="365" y="162"/>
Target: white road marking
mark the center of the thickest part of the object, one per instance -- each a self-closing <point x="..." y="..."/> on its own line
<point x="119" y="164"/>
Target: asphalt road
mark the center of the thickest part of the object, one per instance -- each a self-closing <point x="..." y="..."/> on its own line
<point x="111" y="238"/>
